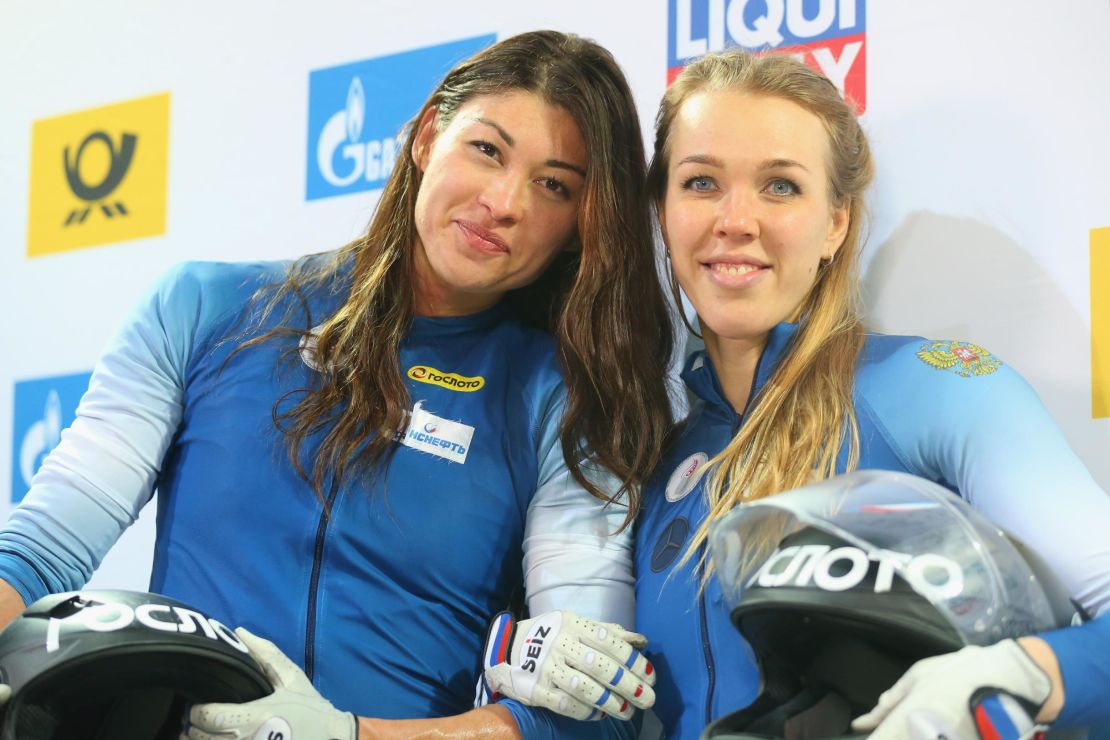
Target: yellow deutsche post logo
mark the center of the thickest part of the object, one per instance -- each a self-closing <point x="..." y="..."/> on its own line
<point x="1100" y="323"/>
<point x="99" y="176"/>
<point x="451" y="381"/>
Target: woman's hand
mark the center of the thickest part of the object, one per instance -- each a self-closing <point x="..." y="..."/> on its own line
<point x="961" y="694"/>
<point x="295" y="711"/>
<point x="568" y="664"/>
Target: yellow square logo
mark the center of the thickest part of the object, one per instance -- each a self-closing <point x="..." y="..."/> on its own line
<point x="1100" y="323"/>
<point x="99" y="176"/>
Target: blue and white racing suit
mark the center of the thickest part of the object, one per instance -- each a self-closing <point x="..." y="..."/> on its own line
<point x="946" y="411"/>
<point x="385" y="603"/>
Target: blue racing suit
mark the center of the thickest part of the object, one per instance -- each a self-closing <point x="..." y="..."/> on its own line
<point x="385" y="602"/>
<point x="947" y="411"/>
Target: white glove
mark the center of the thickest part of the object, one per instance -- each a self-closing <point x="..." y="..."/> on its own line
<point x="958" y="695"/>
<point x="295" y="711"/>
<point x="569" y="664"/>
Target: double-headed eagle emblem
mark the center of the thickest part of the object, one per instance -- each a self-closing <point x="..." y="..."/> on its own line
<point x="962" y="358"/>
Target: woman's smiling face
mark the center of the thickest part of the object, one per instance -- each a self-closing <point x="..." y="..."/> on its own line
<point x="499" y="195"/>
<point x="746" y="212"/>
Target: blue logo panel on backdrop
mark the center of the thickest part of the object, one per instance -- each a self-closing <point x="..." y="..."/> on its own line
<point x="356" y="113"/>
<point x="42" y="409"/>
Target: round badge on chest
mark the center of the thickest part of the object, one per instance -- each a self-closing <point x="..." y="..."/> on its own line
<point x="307" y="348"/>
<point x="685" y="477"/>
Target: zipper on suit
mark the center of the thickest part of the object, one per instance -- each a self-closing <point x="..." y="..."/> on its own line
<point x="314" y="584"/>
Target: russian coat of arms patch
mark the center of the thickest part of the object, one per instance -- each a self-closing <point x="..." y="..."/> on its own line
<point x="962" y="358"/>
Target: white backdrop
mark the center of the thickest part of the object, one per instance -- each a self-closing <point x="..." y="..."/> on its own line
<point x="989" y="120"/>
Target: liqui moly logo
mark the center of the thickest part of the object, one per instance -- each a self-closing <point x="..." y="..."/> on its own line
<point x="828" y="35"/>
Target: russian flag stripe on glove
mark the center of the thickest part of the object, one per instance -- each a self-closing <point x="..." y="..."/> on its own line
<point x="568" y="664"/>
<point x="1002" y="717"/>
<point x="497" y="644"/>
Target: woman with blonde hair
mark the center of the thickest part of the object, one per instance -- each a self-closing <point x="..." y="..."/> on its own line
<point x="759" y="174"/>
<point x="445" y="389"/>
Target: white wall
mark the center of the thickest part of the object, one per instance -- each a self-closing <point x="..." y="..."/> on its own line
<point x="989" y="122"/>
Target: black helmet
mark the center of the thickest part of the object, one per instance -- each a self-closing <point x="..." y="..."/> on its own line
<point x="117" y="665"/>
<point x="841" y="586"/>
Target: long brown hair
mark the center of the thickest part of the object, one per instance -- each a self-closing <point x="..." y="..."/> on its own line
<point x="797" y="425"/>
<point x="601" y="301"/>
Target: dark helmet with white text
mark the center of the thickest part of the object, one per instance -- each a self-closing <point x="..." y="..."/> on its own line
<point x="118" y="665"/>
<point x="839" y="587"/>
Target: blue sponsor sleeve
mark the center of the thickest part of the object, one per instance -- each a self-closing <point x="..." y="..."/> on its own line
<point x="1083" y="654"/>
<point x="574" y="561"/>
<point x="573" y="557"/>
<point x="541" y="724"/>
<point x="989" y="436"/>
<point x="95" y="482"/>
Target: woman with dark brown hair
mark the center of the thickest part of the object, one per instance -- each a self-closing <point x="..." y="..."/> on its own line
<point x="448" y="390"/>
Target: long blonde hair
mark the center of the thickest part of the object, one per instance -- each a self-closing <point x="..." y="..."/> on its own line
<point x="797" y="424"/>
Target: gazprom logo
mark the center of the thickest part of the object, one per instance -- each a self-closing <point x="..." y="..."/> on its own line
<point x="357" y="114"/>
<point x="43" y="408"/>
<point x="828" y="35"/>
<point x="451" y="381"/>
